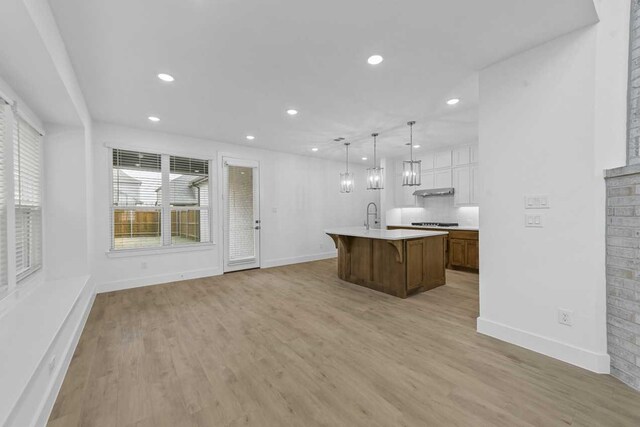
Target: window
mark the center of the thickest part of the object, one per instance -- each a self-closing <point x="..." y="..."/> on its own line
<point x="136" y="213"/>
<point x="27" y="169"/>
<point x="189" y="201"/>
<point x="141" y="217"/>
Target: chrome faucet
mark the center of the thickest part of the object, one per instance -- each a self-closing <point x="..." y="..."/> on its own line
<point x="374" y="213"/>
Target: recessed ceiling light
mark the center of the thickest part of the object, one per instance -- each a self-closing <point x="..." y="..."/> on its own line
<point x="292" y="112"/>
<point x="166" y="77"/>
<point x="364" y="158"/>
<point x="251" y="137"/>
<point x="416" y="146"/>
<point x="314" y="149"/>
<point x="375" y="59"/>
<point x="453" y="101"/>
<point x="154" y="119"/>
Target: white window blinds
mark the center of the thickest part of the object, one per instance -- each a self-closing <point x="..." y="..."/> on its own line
<point x="189" y="200"/>
<point x="141" y="203"/>
<point x="137" y="200"/>
<point x="3" y="205"/>
<point x="28" y="198"/>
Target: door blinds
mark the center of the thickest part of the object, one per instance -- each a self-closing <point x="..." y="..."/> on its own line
<point x="3" y="205"/>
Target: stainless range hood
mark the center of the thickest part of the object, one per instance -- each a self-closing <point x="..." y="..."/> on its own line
<point x="434" y="192"/>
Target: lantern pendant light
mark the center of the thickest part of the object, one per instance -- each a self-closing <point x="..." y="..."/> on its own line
<point x="346" y="178"/>
<point x="411" y="169"/>
<point x="375" y="175"/>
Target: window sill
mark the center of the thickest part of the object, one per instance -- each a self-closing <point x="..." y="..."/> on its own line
<point x="124" y="253"/>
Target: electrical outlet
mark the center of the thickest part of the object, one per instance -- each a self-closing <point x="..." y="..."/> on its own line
<point x="565" y="317"/>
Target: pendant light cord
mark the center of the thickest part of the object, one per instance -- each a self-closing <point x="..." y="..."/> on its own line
<point x="347" y="144"/>
<point x="411" y="139"/>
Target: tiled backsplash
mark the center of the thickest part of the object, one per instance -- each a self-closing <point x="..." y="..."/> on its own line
<point x="441" y="209"/>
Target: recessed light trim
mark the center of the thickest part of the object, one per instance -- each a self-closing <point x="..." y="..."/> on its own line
<point x="154" y="119"/>
<point x="250" y="137"/>
<point x="453" y="101"/>
<point x="166" y="77"/>
<point x="314" y="149"/>
<point x="375" y="59"/>
<point x="292" y="112"/>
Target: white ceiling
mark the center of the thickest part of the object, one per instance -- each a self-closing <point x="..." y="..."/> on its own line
<point x="28" y="68"/>
<point x="240" y="64"/>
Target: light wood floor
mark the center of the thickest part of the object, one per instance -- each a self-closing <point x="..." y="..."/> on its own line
<point x="294" y="346"/>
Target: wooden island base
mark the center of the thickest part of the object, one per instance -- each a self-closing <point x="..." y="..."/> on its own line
<point x="395" y="267"/>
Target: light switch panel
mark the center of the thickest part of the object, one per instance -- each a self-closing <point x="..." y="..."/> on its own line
<point x="536" y="201"/>
<point x="533" y="220"/>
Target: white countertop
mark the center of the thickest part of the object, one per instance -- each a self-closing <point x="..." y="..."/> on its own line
<point x="423" y="227"/>
<point x="383" y="234"/>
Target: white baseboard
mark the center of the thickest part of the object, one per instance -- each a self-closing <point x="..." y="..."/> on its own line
<point x="47" y="405"/>
<point x="297" y="260"/>
<point x="157" y="279"/>
<point x="587" y="359"/>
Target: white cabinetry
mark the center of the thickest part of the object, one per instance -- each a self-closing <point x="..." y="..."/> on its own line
<point x="461" y="184"/>
<point x="455" y="168"/>
<point x="428" y="180"/>
<point x="461" y="155"/>
<point x="442" y="178"/>
<point x="442" y="159"/>
<point x="474" y="154"/>
<point x="473" y="197"/>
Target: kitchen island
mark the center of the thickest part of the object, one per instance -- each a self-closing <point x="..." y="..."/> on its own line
<point x="396" y="262"/>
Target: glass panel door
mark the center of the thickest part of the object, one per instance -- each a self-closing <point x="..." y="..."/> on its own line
<point x="241" y="215"/>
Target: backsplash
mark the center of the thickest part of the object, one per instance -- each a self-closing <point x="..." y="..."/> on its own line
<point x="440" y="209"/>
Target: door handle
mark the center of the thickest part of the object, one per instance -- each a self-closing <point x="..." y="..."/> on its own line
<point x="257" y="227"/>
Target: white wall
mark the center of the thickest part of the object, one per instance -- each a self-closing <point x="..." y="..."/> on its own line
<point x="539" y="115"/>
<point x="65" y="222"/>
<point x="299" y="198"/>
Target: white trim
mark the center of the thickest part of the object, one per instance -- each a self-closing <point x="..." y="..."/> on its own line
<point x="298" y="259"/>
<point x="44" y="411"/>
<point x="33" y="393"/>
<point x="587" y="359"/>
<point x="122" y="253"/>
<point x="195" y="154"/>
<point x="157" y="279"/>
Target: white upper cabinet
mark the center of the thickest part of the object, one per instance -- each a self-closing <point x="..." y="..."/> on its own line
<point x="428" y="181"/>
<point x="442" y="159"/>
<point x="475" y="188"/>
<point x="427" y="161"/>
<point x="461" y="156"/>
<point x="456" y="167"/>
<point x="442" y="179"/>
<point x="462" y="186"/>
<point x="474" y="154"/>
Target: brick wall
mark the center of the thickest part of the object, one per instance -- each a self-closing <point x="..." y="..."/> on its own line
<point x="633" y="120"/>
<point x="623" y="274"/>
<point x="623" y="233"/>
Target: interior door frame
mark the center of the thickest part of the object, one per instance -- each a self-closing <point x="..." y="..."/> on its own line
<point x="238" y="160"/>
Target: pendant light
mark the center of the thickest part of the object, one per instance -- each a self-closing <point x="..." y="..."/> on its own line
<point x="375" y="175"/>
<point x="346" y="178"/>
<point x="411" y="169"/>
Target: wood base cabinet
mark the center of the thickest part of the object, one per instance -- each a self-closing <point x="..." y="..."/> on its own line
<point x="462" y="249"/>
<point x="395" y="267"/>
<point x="463" y="253"/>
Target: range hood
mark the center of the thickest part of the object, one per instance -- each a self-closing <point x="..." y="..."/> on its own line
<point x="434" y="192"/>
